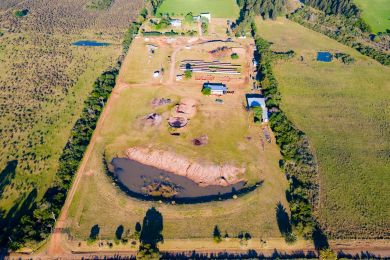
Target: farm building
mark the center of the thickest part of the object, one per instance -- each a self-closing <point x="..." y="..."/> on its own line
<point x="176" y="22"/>
<point x="215" y="88"/>
<point x="324" y="56"/>
<point x="257" y="100"/>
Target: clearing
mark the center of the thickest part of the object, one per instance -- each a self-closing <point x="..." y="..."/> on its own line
<point x="345" y="112"/>
<point x="376" y="13"/>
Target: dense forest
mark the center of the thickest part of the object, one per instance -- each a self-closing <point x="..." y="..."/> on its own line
<point x="345" y="7"/>
<point x="265" y="8"/>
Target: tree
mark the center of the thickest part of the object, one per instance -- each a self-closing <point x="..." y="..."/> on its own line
<point x="234" y="56"/>
<point x="189" y="18"/>
<point x="217" y="234"/>
<point x="206" y="91"/>
<point x="152" y="228"/>
<point x="119" y="232"/>
<point x="328" y="254"/>
<point x="188" y="74"/>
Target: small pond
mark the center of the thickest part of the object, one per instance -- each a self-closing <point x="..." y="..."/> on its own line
<point x="147" y="182"/>
<point x="90" y="43"/>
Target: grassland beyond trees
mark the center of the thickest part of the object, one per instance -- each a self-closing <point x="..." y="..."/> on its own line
<point x="217" y="8"/>
<point x="376" y="13"/>
<point x="344" y="110"/>
<point x="44" y="81"/>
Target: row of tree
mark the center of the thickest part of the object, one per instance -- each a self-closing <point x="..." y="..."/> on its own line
<point x="266" y="8"/>
<point x="299" y="163"/>
<point x="345" y="7"/>
<point x="39" y="221"/>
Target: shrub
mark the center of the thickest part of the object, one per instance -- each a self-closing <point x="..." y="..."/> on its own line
<point x="188" y="74"/>
<point x="21" y="13"/>
<point x="234" y="56"/>
<point x="206" y="91"/>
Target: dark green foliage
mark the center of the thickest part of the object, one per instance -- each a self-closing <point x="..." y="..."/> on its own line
<point x="171" y="33"/>
<point x="345" y="58"/>
<point x="100" y="4"/>
<point x="206" y="91"/>
<point x="152" y="228"/>
<point x="351" y="31"/>
<point x="345" y="7"/>
<point x="129" y="36"/>
<point x="152" y="33"/>
<point x="21" y="13"/>
<point x="1" y="33"/>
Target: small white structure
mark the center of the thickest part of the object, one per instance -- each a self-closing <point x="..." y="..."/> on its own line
<point x="179" y="77"/>
<point x="176" y="22"/>
<point x="156" y="74"/>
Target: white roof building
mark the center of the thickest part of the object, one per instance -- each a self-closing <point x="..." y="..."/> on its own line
<point x="176" y="22"/>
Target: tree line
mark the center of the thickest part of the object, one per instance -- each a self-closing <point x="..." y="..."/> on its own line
<point x="298" y="163"/>
<point x="39" y="220"/>
<point x="344" y="7"/>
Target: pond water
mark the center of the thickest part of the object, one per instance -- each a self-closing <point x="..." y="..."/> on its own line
<point x="142" y="181"/>
<point x="90" y="43"/>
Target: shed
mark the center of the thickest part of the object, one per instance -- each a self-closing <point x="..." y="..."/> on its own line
<point x="257" y="100"/>
<point x="216" y="88"/>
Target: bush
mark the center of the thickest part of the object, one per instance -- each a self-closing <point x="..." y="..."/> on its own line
<point x="21" y="13"/>
<point x="234" y="56"/>
<point x="188" y="74"/>
<point x="206" y="91"/>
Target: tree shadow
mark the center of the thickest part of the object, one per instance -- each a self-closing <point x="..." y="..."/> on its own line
<point x="95" y="230"/>
<point x="152" y="228"/>
<point x="119" y="232"/>
<point x="7" y="174"/>
<point x="319" y="238"/>
<point x="9" y="220"/>
<point x="283" y="219"/>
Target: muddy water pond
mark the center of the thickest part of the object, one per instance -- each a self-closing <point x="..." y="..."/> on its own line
<point x="148" y="182"/>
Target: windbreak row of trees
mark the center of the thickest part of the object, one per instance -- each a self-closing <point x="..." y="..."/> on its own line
<point x="39" y="221"/>
<point x="298" y="163"/>
<point x="344" y="7"/>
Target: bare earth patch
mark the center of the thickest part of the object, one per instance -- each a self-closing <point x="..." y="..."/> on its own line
<point x="202" y="173"/>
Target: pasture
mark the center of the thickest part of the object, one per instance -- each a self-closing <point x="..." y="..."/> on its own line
<point x="217" y="8"/>
<point x="345" y="112"/>
<point x="233" y="138"/>
<point x="44" y="81"/>
<point x="376" y="13"/>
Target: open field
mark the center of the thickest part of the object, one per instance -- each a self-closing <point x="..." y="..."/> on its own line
<point x="228" y="126"/>
<point x="376" y="13"/>
<point x="44" y="81"/>
<point x="217" y="8"/>
<point x="345" y="112"/>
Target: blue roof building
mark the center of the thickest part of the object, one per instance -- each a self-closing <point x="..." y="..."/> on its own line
<point x="257" y="100"/>
<point x="216" y="88"/>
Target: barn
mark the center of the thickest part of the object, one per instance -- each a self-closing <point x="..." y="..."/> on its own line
<point x="257" y="100"/>
<point x="215" y="88"/>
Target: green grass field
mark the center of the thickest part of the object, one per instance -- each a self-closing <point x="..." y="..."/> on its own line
<point x="217" y="8"/>
<point x="345" y="111"/>
<point x="376" y="13"/>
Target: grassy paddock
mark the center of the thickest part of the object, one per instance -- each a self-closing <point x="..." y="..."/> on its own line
<point x="217" y="8"/>
<point x="345" y="112"/>
<point x="376" y="13"/>
<point x="227" y="125"/>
